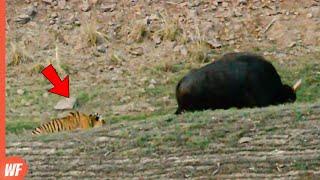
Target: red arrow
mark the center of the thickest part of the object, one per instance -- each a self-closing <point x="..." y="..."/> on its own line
<point x="59" y="87"/>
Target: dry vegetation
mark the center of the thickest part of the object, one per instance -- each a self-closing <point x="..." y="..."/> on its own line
<point x="124" y="59"/>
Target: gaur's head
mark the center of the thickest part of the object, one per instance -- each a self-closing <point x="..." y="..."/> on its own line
<point x="288" y="94"/>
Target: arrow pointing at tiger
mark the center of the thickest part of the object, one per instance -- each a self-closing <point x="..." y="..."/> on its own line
<point x="60" y="88"/>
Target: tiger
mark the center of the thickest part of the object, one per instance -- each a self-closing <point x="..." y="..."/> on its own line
<point x="74" y="120"/>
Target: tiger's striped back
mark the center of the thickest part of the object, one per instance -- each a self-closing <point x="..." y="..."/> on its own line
<point x="74" y="120"/>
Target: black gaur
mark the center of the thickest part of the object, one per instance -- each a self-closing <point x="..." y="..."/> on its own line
<point x="235" y="80"/>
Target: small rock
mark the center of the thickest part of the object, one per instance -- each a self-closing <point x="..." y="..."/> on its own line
<point x="108" y="8"/>
<point x="52" y="22"/>
<point x="309" y="15"/>
<point x="237" y="13"/>
<point x="182" y="49"/>
<point x="218" y="2"/>
<point x="45" y="95"/>
<point x="243" y="2"/>
<point x="195" y="3"/>
<point x="27" y="16"/>
<point x="166" y="99"/>
<point x="194" y="13"/>
<point x="136" y="51"/>
<point x="86" y="7"/>
<point x="292" y="44"/>
<point x="225" y="4"/>
<point x="102" y="48"/>
<point x="49" y="2"/>
<point x="144" y="79"/>
<point x="125" y="99"/>
<point x="66" y="103"/>
<point x="23" y="19"/>
<point x="20" y="91"/>
<point x="54" y="3"/>
<point x="31" y="11"/>
<point x="62" y="4"/>
<point x="72" y="19"/>
<point x="151" y="86"/>
<point x="28" y="103"/>
<point x="152" y="81"/>
<point x="157" y="39"/>
<point x="77" y="23"/>
<point x="54" y="15"/>
<point x="266" y="53"/>
<point x="147" y="21"/>
<point x="244" y="140"/>
<point x="214" y="44"/>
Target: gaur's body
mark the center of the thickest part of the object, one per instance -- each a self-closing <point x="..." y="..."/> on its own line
<point x="235" y="80"/>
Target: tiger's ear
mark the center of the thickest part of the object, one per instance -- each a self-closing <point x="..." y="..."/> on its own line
<point x="99" y="117"/>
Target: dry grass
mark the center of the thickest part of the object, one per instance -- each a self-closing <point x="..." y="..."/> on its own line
<point x="91" y="35"/>
<point x="18" y="54"/>
<point x="138" y="33"/>
<point x="198" y="51"/>
<point x="168" y="64"/>
<point x="171" y="29"/>
<point x="116" y="59"/>
<point x="36" y="69"/>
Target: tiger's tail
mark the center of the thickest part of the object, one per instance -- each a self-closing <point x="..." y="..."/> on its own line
<point x="55" y="125"/>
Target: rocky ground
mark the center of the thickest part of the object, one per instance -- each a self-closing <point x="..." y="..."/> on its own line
<point x="124" y="59"/>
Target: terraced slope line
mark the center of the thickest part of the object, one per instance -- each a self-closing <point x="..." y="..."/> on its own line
<point x="274" y="142"/>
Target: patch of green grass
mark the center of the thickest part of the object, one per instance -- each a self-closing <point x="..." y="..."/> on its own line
<point x="299" y="116"/>
<point x="141" y="116"/>
<point x="143" y="141"/>
<point x="83" y="97"/>
<point x="18" y="126"/>
<point x="306" y="69"/>
<point x="271" y="129"/>
<point x="59" y="152"/>
<point x="66" y="68"/>
<point x="198" y="142"/>
<point x="298" y="165"/>
<point x="36" y="69"/>
<point x="219" y="134"/>
<point x="149" y="149"/>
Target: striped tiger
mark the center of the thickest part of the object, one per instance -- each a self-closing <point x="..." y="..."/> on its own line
<point x="74" y="120"/>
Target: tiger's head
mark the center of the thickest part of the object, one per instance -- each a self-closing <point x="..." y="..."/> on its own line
<point x="96" y="120"/>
